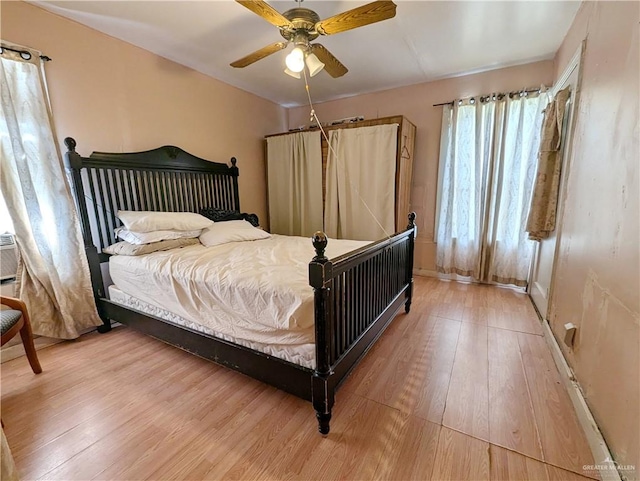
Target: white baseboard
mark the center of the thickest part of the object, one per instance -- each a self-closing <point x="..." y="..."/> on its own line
<point x="599" y="448"/>
<point x="543" y="292"/>
<point x="11" y="352"/>
<point x="443" y="277"/>
<point x="425" y="272"/>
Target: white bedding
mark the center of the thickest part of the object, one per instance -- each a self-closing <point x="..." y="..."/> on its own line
<point x="255" y="290"/>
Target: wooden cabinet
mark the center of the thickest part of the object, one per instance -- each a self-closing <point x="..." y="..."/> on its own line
<point x="403" y="160"/>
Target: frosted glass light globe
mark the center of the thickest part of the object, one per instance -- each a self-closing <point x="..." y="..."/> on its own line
<point x="295" y="60"/>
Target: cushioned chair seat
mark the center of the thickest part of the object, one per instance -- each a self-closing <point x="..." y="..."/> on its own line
<point x="9" y="318"/>
<point x="14" y="320"/>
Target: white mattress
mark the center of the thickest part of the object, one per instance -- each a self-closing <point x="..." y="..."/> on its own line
<point x="300" y="354"/>
<point x="253" y="291"/>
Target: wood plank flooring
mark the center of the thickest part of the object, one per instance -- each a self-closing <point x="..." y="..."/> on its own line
<point x="464" y="387"/>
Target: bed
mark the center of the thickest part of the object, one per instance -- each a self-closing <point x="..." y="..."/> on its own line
<point x="348" y="299"/>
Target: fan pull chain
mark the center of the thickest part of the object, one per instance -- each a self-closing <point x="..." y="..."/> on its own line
<point x="312" y="117"/>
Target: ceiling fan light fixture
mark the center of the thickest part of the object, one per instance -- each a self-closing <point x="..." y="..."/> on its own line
<point x="300" y="26"/>
<point x="292" y="74"/>
<point x="314" y="64"/>
<point x="295" y="60"/>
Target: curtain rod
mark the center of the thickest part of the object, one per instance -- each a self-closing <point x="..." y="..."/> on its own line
<point x="484" y="98"/>
<point x="25" y="54"/>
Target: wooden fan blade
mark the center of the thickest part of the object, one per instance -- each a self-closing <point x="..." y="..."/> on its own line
<point x="358" y="17"/>
<point x="332" y="65"/>
<point x="266" y="11"/>
<point x="259" y="54"/>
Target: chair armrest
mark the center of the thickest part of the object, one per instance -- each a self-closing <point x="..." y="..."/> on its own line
<point x="13" y="303"/>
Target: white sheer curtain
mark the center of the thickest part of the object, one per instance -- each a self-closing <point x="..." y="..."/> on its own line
<point x="465" y="146"/>
<point x="361" y="173"/>
<point x="511" y="250"/>
<point x="53" y="278"/>
<point x="488" y="157"/>
<point x="295" y="183"/>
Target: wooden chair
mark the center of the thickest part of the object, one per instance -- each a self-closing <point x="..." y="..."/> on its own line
<point x="14" y="320"/>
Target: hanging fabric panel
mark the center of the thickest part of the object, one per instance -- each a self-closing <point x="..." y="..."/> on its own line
<point x="53" y="276"/>
<point x="295" y="183"/>
<point x="541" y="221"/>
<point x="488" y="157"/>
<point x="360" y="191"/>
<point x="510" y="250"/>
<point x="464" y="152"/>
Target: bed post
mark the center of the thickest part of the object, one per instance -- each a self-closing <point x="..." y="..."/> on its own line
<point x="412" y="239"/>
<point x="236" y="193"/>
<point x="73" y="165"/>
<point x="322" y="389"/>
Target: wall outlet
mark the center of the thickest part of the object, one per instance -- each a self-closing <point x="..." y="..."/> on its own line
<point x="569" y="333"/>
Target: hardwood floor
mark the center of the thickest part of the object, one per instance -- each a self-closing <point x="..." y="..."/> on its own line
<point x="464" y="387"/>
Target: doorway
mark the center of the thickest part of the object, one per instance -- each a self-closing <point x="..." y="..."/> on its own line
<point x="544" y="260"/>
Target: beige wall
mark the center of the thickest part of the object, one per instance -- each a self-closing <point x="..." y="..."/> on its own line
<point x="114" y="97"/>
<point x="597" y="278"/>
<point x="416" y="103"/>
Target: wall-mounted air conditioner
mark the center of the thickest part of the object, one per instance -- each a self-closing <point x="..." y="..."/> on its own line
<point x="8" y="257"/>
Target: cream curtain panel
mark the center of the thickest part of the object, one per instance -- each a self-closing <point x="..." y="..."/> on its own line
<point x="544" y="203"/>
<point x="295" y="183"/>
<point x="360" y="193"/>
<point x="8" y="471"/>
<point x="53" y="277"/>
<point x="510" y="251"/>
<point x="465" y="146"/>
<point x="488" y="154"/>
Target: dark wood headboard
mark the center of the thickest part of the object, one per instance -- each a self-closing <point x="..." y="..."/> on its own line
<point x="166" y="179"/>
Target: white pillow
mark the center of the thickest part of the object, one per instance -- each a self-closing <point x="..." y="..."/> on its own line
<point x="231" y="231"/>
<point x="144" y="221"/>
<point x="126" y="249"/>
<point x="139" y="238"/>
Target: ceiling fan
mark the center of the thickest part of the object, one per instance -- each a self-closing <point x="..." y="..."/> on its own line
<point x="301" y="25"/>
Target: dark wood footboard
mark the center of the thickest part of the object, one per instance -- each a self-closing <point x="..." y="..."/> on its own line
<point x="356" y="297"/>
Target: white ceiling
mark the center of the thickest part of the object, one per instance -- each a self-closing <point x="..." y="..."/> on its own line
<point x="427" y="40"/>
